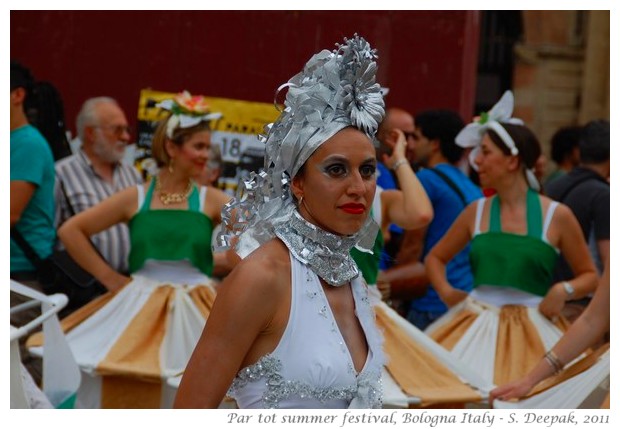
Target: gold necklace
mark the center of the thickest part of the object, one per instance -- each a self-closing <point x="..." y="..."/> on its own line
<point x="173" y="197"/>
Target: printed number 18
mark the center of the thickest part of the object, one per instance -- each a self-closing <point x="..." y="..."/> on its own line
<point x="233" y="149"/>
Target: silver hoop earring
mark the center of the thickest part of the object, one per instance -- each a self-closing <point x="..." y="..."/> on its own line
<point x="301" y="199"/>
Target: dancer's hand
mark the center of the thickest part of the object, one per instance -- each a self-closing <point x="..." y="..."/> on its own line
<point x="553" y="303"/>
<point x="453" y="296"/>
<point x="516" y="389"/>
<point x="116" y="282"/>
<point x="385" y="288"/>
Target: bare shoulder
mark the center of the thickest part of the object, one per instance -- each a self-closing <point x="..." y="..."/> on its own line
<point x="468" y="216"/>
<point x="564" y="224"/>
<point x="562" y="212"/>
<point x="473" y="206"/>
<point x="124" y="201"/>
<point x="127" y="200"/>
<point x="215" y="200"/>
<point x="265" y="271"/>
<point x="217" y="194"/>
<point x="271" y="259"/>
<point x="565" y="220"/>
<point x="130" y="192"/>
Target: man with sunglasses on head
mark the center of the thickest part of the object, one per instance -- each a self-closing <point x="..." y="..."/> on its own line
<point x="95" y="172"/>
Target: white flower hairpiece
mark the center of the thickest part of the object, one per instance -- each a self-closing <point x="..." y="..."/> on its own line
<point x="471" y="135"/>
<point x="187" y="111"/>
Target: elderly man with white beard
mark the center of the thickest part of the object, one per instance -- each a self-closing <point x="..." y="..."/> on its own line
<point x="95" y="172"/>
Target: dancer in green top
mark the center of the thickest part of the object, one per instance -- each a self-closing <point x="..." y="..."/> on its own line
<point x="147" y="326"/>
<point x="515" y="237"/>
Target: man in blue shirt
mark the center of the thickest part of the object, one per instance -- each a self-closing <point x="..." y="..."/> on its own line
<point x="450" y="191"/>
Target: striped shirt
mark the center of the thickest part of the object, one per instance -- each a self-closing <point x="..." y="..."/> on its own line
<point x="85" y="188"/>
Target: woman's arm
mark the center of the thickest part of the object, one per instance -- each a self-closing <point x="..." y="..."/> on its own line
<point x="214" y="203"/>
<point x="224" y="262"/>
<point x="575" y="250"/>
<point x="245" y="306"/>
<point x="77" y="230"/>
<point x="455" y="239"/>
<point x="20" y="193"/>
<point x="586" y="330"/>
<point x="407" y="278"/>
<point x="408" y="207"/>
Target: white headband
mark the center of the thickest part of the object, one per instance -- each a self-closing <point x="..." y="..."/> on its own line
<point x="471" y="135"/>
<point x="503" y="134"/>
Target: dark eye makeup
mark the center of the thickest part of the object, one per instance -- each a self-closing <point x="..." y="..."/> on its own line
<point x="368" y="170"/>
<point x="336" y="169"/>
<point x="340" y="167"/>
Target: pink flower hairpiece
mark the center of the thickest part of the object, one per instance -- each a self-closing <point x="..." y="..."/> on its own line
<point x="192" y="104"/>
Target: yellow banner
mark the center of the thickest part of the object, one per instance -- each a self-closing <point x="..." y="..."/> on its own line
<point x="244" y="117"/>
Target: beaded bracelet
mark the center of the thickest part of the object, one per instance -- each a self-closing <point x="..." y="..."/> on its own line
<point x="398" y="164"/>
<point x="554" y="362"/>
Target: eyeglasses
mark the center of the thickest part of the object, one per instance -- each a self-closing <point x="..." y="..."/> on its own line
<point x="116" y="129"/>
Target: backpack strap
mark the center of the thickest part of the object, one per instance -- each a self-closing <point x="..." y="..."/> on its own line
<point x="450" y="183"/>
<point x="575" y="184"/>
<point x="30" y="253"/>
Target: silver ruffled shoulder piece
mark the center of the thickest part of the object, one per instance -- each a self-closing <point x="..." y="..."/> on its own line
<point x="325" y="253"/>
<point x="335" y="90"/>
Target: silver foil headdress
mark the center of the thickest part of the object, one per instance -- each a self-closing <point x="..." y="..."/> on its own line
<point x="335" y="90"/>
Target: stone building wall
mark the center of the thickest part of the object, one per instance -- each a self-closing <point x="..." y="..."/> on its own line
<point x="561" y="74"/>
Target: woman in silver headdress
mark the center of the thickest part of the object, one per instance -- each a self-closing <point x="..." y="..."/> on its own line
<point x="292" y="326"/>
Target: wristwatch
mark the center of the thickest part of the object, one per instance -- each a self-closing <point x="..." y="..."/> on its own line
<point x="569" y="289"/>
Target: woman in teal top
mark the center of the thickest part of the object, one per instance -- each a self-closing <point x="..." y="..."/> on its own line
<point x="515" y="237"/>
<point x="145" y="329"/>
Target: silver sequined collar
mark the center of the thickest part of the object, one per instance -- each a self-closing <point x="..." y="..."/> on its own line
<point x="325" y="253"/>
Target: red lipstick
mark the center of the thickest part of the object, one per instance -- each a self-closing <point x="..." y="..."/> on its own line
<point x="353" y="208"/>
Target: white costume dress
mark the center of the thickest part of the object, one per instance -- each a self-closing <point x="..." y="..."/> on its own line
<point x="311" y="367"/>
<point x="127" y="343"/>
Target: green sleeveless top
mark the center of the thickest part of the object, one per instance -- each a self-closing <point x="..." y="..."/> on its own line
<point x="171" y="235"/>
<point x="524" y="262"/>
